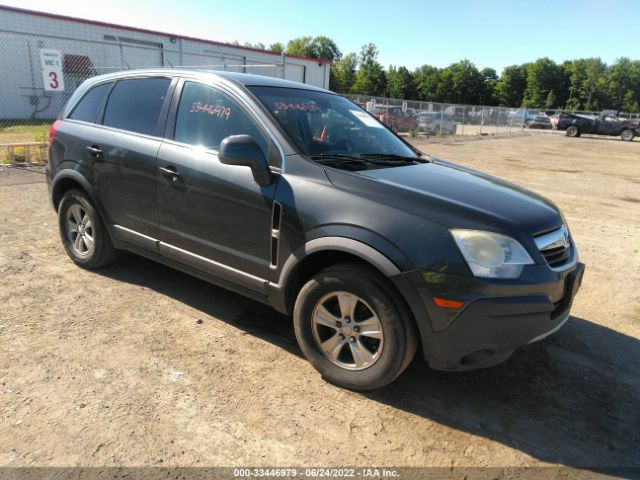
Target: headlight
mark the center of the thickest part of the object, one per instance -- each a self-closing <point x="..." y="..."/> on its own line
<point x="491" y="255"/>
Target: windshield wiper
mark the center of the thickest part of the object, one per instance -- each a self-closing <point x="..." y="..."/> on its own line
<point x="381" y="159"/>
<point x="337" y="157"/>
<point x="393" y="156"/>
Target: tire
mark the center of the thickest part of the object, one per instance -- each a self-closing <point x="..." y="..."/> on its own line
<point x="353" y="298"/>
<point x="83" y="233"/>
<point x="627" y="135"/>
<point x="573" y="131"/>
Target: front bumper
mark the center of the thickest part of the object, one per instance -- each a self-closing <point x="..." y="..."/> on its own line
<point x="498" y="317"/>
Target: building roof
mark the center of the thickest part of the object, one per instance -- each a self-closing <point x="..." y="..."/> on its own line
<point x="153" y="32"/>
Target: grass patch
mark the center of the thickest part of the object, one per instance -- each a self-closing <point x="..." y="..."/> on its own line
<point x="22" y="133"/>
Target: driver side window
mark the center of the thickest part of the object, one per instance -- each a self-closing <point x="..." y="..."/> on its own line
<point x="207" y="115"/>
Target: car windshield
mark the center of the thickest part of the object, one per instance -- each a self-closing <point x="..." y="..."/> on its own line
<point x="331" y="129"/>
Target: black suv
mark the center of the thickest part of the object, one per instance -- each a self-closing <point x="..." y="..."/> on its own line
<point x="296" y="197"/>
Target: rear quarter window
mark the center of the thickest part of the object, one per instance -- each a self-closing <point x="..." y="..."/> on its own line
<point x="88" y="108"/>
<point x="135" y="104"/>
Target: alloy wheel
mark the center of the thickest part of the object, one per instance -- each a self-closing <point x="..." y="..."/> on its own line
<point x="347" y="331"/>
<point x="80" y="232"/>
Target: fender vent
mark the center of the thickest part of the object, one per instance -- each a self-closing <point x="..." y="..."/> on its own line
<point x="276" y="219"/>
<point x="276" y="216"/>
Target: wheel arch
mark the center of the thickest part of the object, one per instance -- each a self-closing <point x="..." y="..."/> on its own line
<point x="69" y="179"/>
<point x="323" y="252"/>
<point x="66" y="180"/>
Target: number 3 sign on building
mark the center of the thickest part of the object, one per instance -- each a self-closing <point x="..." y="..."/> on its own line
<point x="52" y="77"/>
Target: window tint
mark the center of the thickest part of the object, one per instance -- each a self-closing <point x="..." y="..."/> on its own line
<point x="206" y="116"/>
<point x="135" y="104"/>
<point x="88" y="108"/>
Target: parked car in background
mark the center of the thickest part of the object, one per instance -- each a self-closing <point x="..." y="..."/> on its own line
<point x="394" y="118"/>
<point x="530" y="118"/>
<point x="486" y="116"/>
<point x="607" y="123"/>
<point x="436" y="123"/>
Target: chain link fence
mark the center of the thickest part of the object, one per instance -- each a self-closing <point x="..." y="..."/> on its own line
<point x="42" y="71"/>
<point x="419" y="118"/>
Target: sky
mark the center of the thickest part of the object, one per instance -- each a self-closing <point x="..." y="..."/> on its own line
<point x="490" y="33"/>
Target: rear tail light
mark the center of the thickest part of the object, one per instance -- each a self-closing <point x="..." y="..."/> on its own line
<point x="53" y="130"/>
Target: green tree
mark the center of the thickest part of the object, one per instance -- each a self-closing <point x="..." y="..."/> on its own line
<point x="400" y="83"/>
<point x="276" y="47"/>
<point x="543" y="76"/>
<point x="624" y="77"/>
<point x="371" y="78"/>
<point x="258" y="45"/>
<point x="550" y="102"/>
<point x="462" y="83"/>
<point x="509" y="89"/>
<point x="325" y="49"/>
<point x="594" y="85"/>
<point x="575" y="72"/>
<point x="630" y="103"/>
<point x="314" y="47"/>
<point x="343" y="73"/>
<point x="426" y="79"/>
<point x="489" y="81"/>
<point x="301" y="46"/>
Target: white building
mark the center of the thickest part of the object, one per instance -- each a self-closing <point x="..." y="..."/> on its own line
<point x="86" y="48"/>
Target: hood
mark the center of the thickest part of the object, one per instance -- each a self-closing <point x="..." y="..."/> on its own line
<point x="455" y="196"/>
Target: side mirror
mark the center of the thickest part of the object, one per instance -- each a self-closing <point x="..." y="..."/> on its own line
<point x="244" y="150"/>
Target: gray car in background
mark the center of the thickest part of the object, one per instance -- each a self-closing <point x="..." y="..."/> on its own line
<point x="436" y="123"/>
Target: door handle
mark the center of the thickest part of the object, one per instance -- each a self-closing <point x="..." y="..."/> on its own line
<point x="170" y="172"/>
<point x="94" y="151"/>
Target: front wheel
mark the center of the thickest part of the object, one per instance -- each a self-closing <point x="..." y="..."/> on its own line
<point x="353" y="328"/>
<point x="573" y="131"/>
<point x="627" y="135"/>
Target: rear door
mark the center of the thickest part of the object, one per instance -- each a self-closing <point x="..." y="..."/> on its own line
<point x="124" y="152"/>
<point x="213" y="217"/>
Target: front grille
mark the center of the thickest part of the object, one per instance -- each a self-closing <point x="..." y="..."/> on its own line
<point x="554" y="246"/>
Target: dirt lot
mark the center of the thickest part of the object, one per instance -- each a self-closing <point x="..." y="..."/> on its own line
<point x="140" y="365"/>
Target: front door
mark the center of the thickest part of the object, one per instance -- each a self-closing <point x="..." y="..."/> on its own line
<point x="608" y="126"/>
<point x="213" y="217"/>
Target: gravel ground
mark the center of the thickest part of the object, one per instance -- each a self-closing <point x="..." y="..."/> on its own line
<point x="138" y="365"/>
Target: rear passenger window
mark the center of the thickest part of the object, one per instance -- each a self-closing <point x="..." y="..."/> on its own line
<point x="135" y="104"/>
<point x="88" y="108"/>
<point x="206" y="116"/>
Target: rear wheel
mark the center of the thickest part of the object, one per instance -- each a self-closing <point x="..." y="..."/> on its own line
<point x="628" y="135"/>
<point x="83" y="233"/>
<point x="573" y="131"/>
<point x="352" y="327"/>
